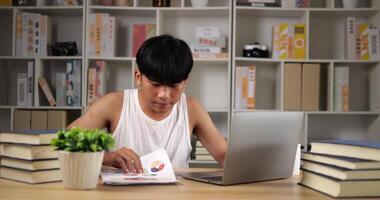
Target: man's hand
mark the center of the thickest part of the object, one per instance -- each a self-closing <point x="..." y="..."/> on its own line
<point x="125" y="159"/>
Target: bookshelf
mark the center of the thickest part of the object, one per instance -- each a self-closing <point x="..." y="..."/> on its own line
<point x="325" y="23"/>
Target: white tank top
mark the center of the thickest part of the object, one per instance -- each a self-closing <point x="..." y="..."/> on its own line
<point x="143" y="135"/>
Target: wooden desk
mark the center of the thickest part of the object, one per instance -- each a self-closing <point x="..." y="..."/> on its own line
<point x="185" y="189"/>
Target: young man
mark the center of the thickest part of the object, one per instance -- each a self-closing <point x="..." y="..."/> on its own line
<point x="158" y="113"/>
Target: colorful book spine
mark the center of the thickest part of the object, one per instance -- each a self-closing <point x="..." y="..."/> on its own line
<point x="276" y="41"/>
<point x="100" y="84"/>
<point x="299" y="41"/>
<point x="341" y="89"/>
<point x="363" y="35"/>
<point x="91" y="86"/>
<point x="245" y="89"/>
<point x="19" y="26"/>
<point x="284" y="41"/>
<point x="73" y="83"/>
<point x="36" y="34"/>
<point x="141" y="32"/>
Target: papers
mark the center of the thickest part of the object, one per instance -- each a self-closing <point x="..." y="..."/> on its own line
<point x="157" y="170"/>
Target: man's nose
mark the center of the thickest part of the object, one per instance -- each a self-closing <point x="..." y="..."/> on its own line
<point x="164" y="92"/>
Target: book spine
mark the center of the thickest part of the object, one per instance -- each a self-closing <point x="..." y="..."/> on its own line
<point x="104" y="35"/>
<point x="19" y="31"/>
<point x="37" y="34"/>
<point x="100" y="84"/>
<point x="290" y="48"/>
<point x="77" y="82"/>
<point x="205" y="50"/>
<point x="43" y="37"/>
<point x="69" y="83"/>
<point x="22" y="88"/>
<point x="30" y="83"/>
<point x="211" y="42"/>
<point x="207" y="31"/>
<point x="30" y="35"/>
<point x="60" y="88"/>
<point x="374" y="53"/>
<point x="276" y="41"/>
<point x="251" y="93"/>
<point x="138" y="37"/>
<point x="46" y="90"/>
<point x="341" y="88"/>
<point x="239" y="98"/>
<point x="284" y="28"/>
<point x="25" y="21"/>
<point x="98" y="33"/>
<point x="111" y="37"/>
<point x="299" y="41"/>
<point x="350" y="41"/>
<point x="91" y="85"/>
<point x="363" y="34"/>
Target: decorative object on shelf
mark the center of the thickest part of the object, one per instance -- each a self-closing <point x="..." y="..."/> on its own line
<point x="19" y="3"/>
<point x="199" y="3"/>
<point x="302" y="3"/>
<point x="106" y="2"/>
<point x="259" y="3"/>
<point x="351" y="3"/>
<point x="255" y="50"/>
<point x="65" y="2"/>
<point x="65" y="49"/>
<point x="122" y="3"/>
<point x="80" y="154"/>
<point x="161" y="3"/>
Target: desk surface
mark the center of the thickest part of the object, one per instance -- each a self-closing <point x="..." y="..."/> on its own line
<point x="185" y="189"/>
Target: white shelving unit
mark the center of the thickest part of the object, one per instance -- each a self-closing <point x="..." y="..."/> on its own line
<point x="325" y="45"/>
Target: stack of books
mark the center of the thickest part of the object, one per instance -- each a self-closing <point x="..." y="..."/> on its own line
<point x="27" y="156"/>
<point x="209" y="43"/>
<point x="342" y="168"/>
<point x="201" y="153"/>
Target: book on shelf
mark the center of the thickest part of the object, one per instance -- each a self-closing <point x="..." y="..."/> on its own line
<point x="292" y="86"/>
<point x="350" y="38"/>
<point x="57" y="119"/>
<point x="28" y="136"/>
<point x="210" y="55"/>
<point x="205" y="157"/>
<point x="349" y="148"/>
<point x="29" y="165"/>
<point x="67" y="2"/>
<point x="289" y="41"/>
<point x="32" y="177"/>
<point x="338" y="188"/>
<point x="33" y="34"/>
<point x="373" y="43"/>
<point x="60" y="89"/>
<point x="39" y="120"/>
<point x="341" y="173"/>
<point x="46" y="90"/>
<point x="30" y="76"/>
<point x="96" y="81"/>
<point x="258" y="3"/>
<point x="73" y="82"/>
<point x="310" y="92"/>
<point x="5" y="3"/>
<point x="21" y="119"/>
<point x="245" y="89"/>
<point x="22" y="89"/>
<point x="341" y="88"/>
<point x="141" y="32"/>
<point x="208" y="43"/>
<point x="27" y="151"/>
<point x="102" y="35"/>
<point x="341" y="161"/>
<point x="363" y="30"/>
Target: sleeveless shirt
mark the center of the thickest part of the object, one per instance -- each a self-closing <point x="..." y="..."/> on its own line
<point x="142" y="134"/>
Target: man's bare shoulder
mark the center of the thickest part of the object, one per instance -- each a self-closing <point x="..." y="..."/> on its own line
<point x="111" y="101"/>
<point x="193" y="105"/>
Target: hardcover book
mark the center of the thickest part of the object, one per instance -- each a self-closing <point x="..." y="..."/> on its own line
<point x="35" y="137"/>
<point x="32" y="177"/>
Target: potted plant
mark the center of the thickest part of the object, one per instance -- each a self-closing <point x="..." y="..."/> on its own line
<point x="80" y="154"/>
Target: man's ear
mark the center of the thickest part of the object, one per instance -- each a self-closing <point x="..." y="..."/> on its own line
<point x="138" y="76"/>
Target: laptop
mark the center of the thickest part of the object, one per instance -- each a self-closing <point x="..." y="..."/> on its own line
<point x="262" y="146"/>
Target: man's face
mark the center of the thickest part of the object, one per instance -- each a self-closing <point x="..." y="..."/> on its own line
<point x="156" y="97"/>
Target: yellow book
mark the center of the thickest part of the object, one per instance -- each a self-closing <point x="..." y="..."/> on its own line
<point x="363" y="36"/>
<point x="284" y="40"/>
<point x="299" y="41"/>
<point x="5" y="2"/>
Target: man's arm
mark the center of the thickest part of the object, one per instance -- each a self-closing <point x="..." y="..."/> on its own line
<point x="103" y="112"/>
<point x="206" y="131"/>
<point x="99" y="113"/>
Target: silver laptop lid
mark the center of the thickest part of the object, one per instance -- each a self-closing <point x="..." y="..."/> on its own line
<point x="261" y="146"/>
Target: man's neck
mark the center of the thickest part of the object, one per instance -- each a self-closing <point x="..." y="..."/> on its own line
<point x="149" y="112"/>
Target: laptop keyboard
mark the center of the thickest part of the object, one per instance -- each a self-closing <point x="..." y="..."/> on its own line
<point x="213" y="178"/>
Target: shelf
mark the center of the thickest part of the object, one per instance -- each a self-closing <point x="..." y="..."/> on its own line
<point x="213" y="60"/>
<point x="340" y="12"/>
<point x="60" y="58"/>
<point x="196" y="12"/>
<point x="270" y="60"/>
<point x="16" y="58"/>
<point x="217" y="110"/>
<point x="113" y="58"/>
<point x="49" y="107"/>
<point x="342" y="113"/>
<point x="6" y="10"/>
<point x="125" y="11"/>
<point x="269" y="12"/>
<point x="54" y="10"/>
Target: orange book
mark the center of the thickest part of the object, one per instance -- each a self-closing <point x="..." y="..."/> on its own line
<point x="141" y="32"/>
<point x="46" y="90"/>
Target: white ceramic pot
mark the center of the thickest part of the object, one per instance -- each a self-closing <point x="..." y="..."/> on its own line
<point x="80" y="170"/>
<point x="351" y="3"/>
<point x="199" y="3"/>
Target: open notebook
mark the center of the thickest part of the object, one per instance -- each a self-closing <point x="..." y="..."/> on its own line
<point x="157" y="170"/>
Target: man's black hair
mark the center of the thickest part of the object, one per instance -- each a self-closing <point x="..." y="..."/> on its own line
<point x="165" y="59"/>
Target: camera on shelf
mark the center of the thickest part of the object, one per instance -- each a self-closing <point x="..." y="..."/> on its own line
<point x="255" y="50"/>
<point x="64" y="49"/>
